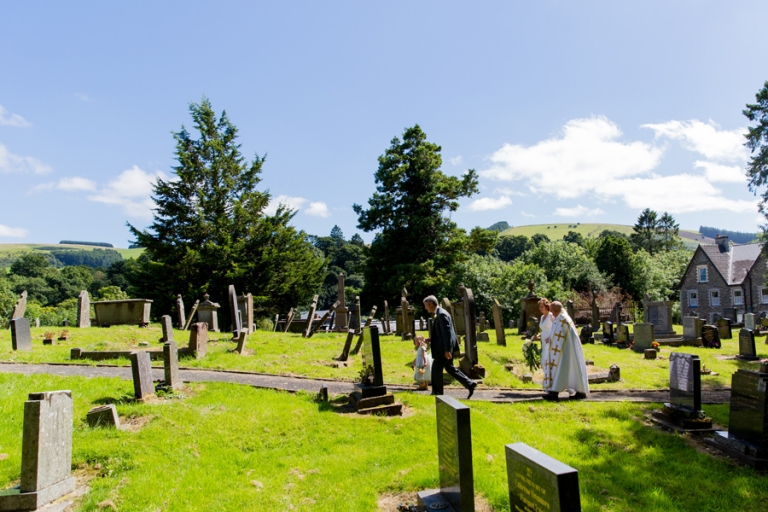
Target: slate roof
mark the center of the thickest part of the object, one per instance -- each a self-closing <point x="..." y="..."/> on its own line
<point x="735" y="264"/>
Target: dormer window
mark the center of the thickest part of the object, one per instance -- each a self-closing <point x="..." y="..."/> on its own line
<point x="701" y="272"/>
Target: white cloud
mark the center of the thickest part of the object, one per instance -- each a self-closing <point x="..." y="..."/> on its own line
<point x="489" y="203"/>
<point x="718" y="172"/>
<point x="578" y="211"/>
<point x="13" y="232"/>
<point x="529" y="215"/>
<point x="131" y="190"/>
<point x="10" y="163"/>
<point x="705" y="138"/>
<point x="456" y="160"/>
<point x="8" y="119"/>
<point x="318" y="210"/>
<point x="69" y="184"/>
<point x="83" y="97"/>
<point x="294" y="203"/>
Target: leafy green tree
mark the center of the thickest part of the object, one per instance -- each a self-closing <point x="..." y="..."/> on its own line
<point x="31" y="265"/>
<point x="568" y="264"/>
<point x="540" y="237"/>
<point x="347" y="257"/>
<point x="659" y="275"/>
<point x="482" y="241"/>
<point x="610" y="232"/>
<point x="416" y="246"/>
<point x="7" y="302"/>
<point x="574" y="238"/>
<point x="757" y="142"/>
<point x="654" y="233"/>
<point x="668" y="231"/>
<point x="509" y="248"/>
<point x="616" y="260"/>
<point x="210" y="229"/>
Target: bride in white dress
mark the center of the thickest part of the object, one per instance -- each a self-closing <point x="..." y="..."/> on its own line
<point x="546" y="321"/>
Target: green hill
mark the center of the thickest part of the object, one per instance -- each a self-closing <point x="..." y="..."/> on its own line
<point x="10" y="252"/>
<point x="557" y="231"/>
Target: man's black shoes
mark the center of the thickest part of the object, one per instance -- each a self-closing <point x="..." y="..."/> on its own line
<point x="551" y="395"/>
<point x="579" y="395"/>
<point x="472" y="390"/>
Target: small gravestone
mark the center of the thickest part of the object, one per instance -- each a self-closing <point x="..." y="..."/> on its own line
<point x="103" y="416"/>
<point x="198" y="340"/>
<point x="622" y="335"/>
<point x="532" y="326"/>
<point x="368" y="322"/>
<point x="310" y="317"/>
<point x="347" y="346"/>
<point x="747" y="345"/>
<point x="327" y="315"/>
<point x="21" y="306"/>
<point x="21" y="336"/>
<point x="182" y="317"/>
<point x="241" y="338"/>
<point x="191" y="315"/>
<point x="207" y="312"/>
<point x="585" y="336"/>
<point x="724" y="327"/>
<point x="643" y="337"/>
<point x="165" y="322"/>
<point x="608" y="338"/>
<point x="689" y="328"/>
<point x="483" y="336"/>
<point x="684" y="408"/>
<point x="650" y="353"/>
<point x="454" y="451"/>
<point x="65" y="323"/>
<point x="141" y="368"/>
<point x="171" y="366"/>
<point x="498" y="323"/>
<point x="537" y="482"/>
<point x="83" y="309"/>
<point x="710" y="336"/>
<point x="37" y="322"/>
<point x="482" y="322"/>
<point x="749" y="321"/>
<point x="234" y="311"/>
<point x="46" y="452"/>
<point x="245" y="307"/>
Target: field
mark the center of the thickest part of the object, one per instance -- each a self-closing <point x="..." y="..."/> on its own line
<point x="9" y="252"/>
<point x="556" y="231"/>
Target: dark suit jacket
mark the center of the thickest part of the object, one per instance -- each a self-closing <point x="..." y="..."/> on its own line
<point x="443" y="336"/>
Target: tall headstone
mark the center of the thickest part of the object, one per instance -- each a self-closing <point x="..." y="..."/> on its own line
<point x="622" y="335"/>
<point x="595" y="313"/>
<point x="747" y="345"/>
<point x="458" y="318"/>
<point x="21" y="306"/>
<point x="616" y="313"/>
<point x="368" y="322"/>
<point x="171" y="366"/>
<point x="406" y="320"/>
<point x="749" y="321"/>
<point x="310" y="317"/>
<point x="498" y="323"/>
<point x="659" y="313"/>
<point x="167" y="325"/>
<point x="83" y="309"/>
<point x="347" y="346"/>
<point x="449" y="308"/>
<point x="182" y="316"/>
<point x="21" y="336"/>
<point x="46" y="452"/>
<point x="570" y="309"/>
<point x="141" y="368"/>
<point x="724" y="326"/>
<point x="643" y="337"/>
<point x="245" y="307"/>
<point x="454" y="452"/>
<point x="198" y="340"/>
<point x="358" y="314"/>
<point x="342" y="320"/>
<point x="710" y="336"/>
<point x="385" y="320"/>
<point x="608" y="335"/>
<point x="529" y="306"/>
<point x="684" y="407"/>
<point x="470" y="363"/>
<point x="689" y="328"/>
<point x="371" y="357"/>
<point x="539" y="482"/>
<point x="207" y="312"/>
<point x="234" y="311"/>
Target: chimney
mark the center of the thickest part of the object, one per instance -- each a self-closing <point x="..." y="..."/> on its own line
<point x="722" y="243"/>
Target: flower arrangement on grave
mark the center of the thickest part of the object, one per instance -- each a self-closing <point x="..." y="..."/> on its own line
<point x="64" y="335"/>
<point x="655" y="346"/>
<point x="48" y="336"/>
<point x="532" y="355"/>
<point x="366" y="375"/>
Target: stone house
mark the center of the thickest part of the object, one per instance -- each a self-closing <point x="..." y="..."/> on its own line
<point x="725" y="280"/>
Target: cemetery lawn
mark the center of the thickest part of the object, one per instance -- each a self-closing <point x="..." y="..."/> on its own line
<point x="230" y="447"/>
<point x="290" y="354"/>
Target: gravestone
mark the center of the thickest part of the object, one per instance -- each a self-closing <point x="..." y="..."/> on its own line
<point x="585" y="336"/>
<point x="83" y="309"/>
<point x="454" y="452"/>
<point x="537" y="482"/>
<point x="747" y="345"/>
<point x="749" y="321"/>
<point x="21" y="337"/>
<point x="616" y="313"/>
<point x="207" y="312"/>
<point x="482" y="322"/>
<point x="234" y="311"/>
<point x="449" y="308"/>
<point x="608" y="338"/>
<point x="327" y="314"/>
<point x="198" y="340"/>
<point x="141" y="368"/>
<point x="342" y="321"/>
<point x="385" y="319"/>
<point x="710" y="336"/>
<point x="643" y="337"/>
<point x="191" y="315"/>
<point x="182" y="317"/>
<point x="359" y="314"/>
<point x="371" y="357"/>
<point x="245" y="307"/>
<point x="276" y="323"/>
<point x="167" y="325"/>
<point x="65" y="323"/>
<point x="21" y="306"/>
<point x="347" y="346"/>
<point x="533" y="326"/>
<point x="595" y="313"/>
<point x="622" y="335"/>
<point x="498" y="323"/>
<point x="724" y="327"/>
<point x="684" y="407"/>
<point x="659" y="314"/>
<point x="171" y="366"/>
<point x="289" y="319"/>
<point x="310" y="317"/>
<point x="103" y="416"/>
<point x="368" y="322"/>
<point x="689" y="328"/>
<point x="421" y="323"/>
<point x="529" y="306"/>
<point x="37" y="322"/>
<point x="570" y="309"/>
<point x="46" y="452"/>
<point x="241" y="338"/>
<point x="458" y="318"/>
<point x="730" y="314"/>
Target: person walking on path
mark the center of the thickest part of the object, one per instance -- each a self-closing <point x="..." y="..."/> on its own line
<point x="444" y="343"/>
<point x="565" y="363"/>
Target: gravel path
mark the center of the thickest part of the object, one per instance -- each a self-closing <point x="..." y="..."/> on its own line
<point x="292" y="384"/>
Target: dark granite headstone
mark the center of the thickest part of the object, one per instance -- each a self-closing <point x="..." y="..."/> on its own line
<point x="622" y="334"/>
<point x="21" y="336"/>
<point x="586" y="335"/>
<point x="710" y="336"/>
<point x="537" y="482"/>
<point x="747" y="345"/>
<point x="685" y="381"/>
<point x="748" y="419"/>
<point x="454" y="451"/>
<point x="371" y="356"/>
<point x="141" y="368"/>
<point x="608" y="333"/>
<point x="724" y="328"/>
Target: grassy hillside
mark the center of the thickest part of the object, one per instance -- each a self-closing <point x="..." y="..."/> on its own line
<point x="10" y="252"/>
<point x="556" y="231"/>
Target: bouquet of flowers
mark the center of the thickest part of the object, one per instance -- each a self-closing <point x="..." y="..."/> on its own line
<point x="532" y="355"/>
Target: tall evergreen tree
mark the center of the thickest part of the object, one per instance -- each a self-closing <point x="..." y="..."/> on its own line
<point x="757" y="142"/>
<point x="210" y="229"/>
<point x="645" y="228"/>
<point x="416" y="245"/>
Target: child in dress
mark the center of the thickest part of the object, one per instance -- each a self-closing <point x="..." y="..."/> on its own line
<point x="422" y="367"/>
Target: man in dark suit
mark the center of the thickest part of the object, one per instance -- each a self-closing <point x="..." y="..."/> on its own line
<point x="444" y="344"/>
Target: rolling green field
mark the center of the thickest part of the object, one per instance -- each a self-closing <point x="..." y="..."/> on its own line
<point x="556" y="231"/>
<point x="13" y="251"/>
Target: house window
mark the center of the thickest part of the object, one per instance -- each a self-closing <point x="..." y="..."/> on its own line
<point x="714" y="298"/>
<point x="693" y="299"/>
<point x="701" y="272"/>
<point x="764" y="295"/>
<point x="738" y="298"/>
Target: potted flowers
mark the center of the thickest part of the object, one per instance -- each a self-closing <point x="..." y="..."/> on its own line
<point x="48" y="338"/>
<point x="64" y="335"/>
<point x="655" y="346"/>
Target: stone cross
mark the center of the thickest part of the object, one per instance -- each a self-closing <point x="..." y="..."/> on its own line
<point x="165" y="322"/>
<point x="180" y="312"/>
<point x="21" y="306"/>
<point x="21" y="337"/>
<point x="83" y="309"/>
<point x="141" y="368"/>
<point x="198" y="340"/>
<point x="234" y="311"/>
<point x="310" y="318"/>
<point x="171" y="365"/>
<point x="322" y="320"/>
<point x="191" y="315"/>
<point x="46" y="452"/>
<point x="498" y="323"/>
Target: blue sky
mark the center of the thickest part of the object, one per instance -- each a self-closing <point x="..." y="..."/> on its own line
<point x="570" y="111"/>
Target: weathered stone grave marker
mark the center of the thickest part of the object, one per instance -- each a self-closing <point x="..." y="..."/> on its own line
<point x="21" y="336"/>
<point x="245" y="307"/>
<point x="643" y="337"/>
<point x="181" y="315"/>
<point x="322" y="320"/>
<point x="342" y="320"/>
<point x="207" y="312"/>
<point x="21" y="306"/>
<point x="470" y="363"/>
<point x="385" y="319"/>
<point x="198" y="340"/>
<point x="167" y="325"/>
<point x="498" y="323"/>
<point x="724" y="328"/>
<point x="191" y="315"/>
<point x="289" y="319"/>
<point x="622" y="336"/>
<point x="171" y="366"/>
<point x="234" y="311"/>
<point x="367" y="324"/>
<point x="749" y="321"/>
<point x="683" y="412"/>
<point x="241" y="339"/>
<point x="747" y="345"/>
<point x="537" y="482"/>
<point x="347" y="346"/>
<point x="46" y="452"/>
<point x="585" y="336"/>
<point x="310" y="317"/>
<point x="659" y="314"/>
<point x="83" y="309"/>
<point x="103" y="416"/>
<point x="454" y="452"/>
<point x="141" y="368"/>
<point x="608" y="337"/>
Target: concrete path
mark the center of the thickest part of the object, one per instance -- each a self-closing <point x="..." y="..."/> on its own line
<point x="293" y="384"/>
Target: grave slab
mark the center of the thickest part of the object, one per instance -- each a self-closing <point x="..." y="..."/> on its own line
<point x="141" y="369"/>
<point x="21" y="336"/>
<point x="539" y="482"/>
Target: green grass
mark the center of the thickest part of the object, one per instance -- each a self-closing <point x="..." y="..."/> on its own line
<point x="290" y="354"/>
<point x="13" y="251"/>
<point x="556" y="231"/>
<point x="205" y="451"/>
